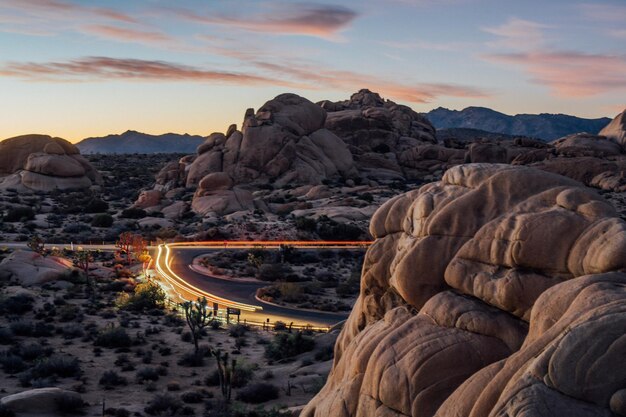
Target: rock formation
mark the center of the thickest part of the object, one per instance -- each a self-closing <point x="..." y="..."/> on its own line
<point x="43" y="163"/>
<point x="616" y="130"/>
<point x="378" y="133"/>
<point x="498" y="291"/>
<point x="40" y="401"/>
<point x="28" y="268"/>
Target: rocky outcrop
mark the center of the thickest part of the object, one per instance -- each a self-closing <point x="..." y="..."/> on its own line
<point x="43" y="163"/>
<point x="378" y="132"/>
<point x="616" y="130"/>
<point x="283" y="143"/>
<point x="29" y="268"/>
<point x="499" y="290"/>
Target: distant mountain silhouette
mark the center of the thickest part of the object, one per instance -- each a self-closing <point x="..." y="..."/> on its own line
<point x="137" y="142"/>
<point x="542" y="126"/>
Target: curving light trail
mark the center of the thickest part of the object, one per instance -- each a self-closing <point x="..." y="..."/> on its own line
<point x="187" y="291"/>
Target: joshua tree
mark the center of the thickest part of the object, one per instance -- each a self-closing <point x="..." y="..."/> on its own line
<point x="125" y="245"/>
<point x="225" y="371"/>
<point x="255" y="260"/>
<point x="37" y="244"/>
<point x="198" y="317"/>
<point x="82" y="259"/>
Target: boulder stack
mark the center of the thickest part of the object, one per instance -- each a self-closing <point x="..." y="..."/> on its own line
<point x="499" y="290"/>
<point x="44" y="163"/>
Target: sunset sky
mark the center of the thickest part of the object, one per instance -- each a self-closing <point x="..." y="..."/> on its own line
<point x="77" y="69"/>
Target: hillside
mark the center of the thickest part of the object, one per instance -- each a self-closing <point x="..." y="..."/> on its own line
<point x="137" y="142"/>
<point x="542" y="126"/>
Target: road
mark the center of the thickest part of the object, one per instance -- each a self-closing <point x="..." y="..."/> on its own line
<point x="172" y="263"/>
<point x="173" y="260"/>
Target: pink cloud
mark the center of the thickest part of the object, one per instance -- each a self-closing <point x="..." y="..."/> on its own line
<point x="570" y="74"/>
<point x="125" y="34"/>
<point x="61" y="9"/>
<point x="102" y="68"/>
<point x="324" y="21"/>
<point x="517" y="34"/>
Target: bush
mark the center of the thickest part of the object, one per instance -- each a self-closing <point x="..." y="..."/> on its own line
<point x="6" y="336"/>
<point x="111" y="379"/>
<point x="102" y="220"/>
<point x="12" y="364"/>
<point x="32" y="351"/>
<point x="148" y="295"/>
<point x="19" y="214"/>
<point x="258" y="393"/>
<point x="164" y="404"/>
<point x="147" y="374"/>
<point x="133" y="213"/>
<point x="63" y="366"/>
<point x="192" y="397"/>
<point x="96" y="206"/>
<point x="114" y="337"/>
<point x="17" y="304"/>
<point x="287" y="345"/>
<point x="305" y="223"/>
<point x="238" y="330"/>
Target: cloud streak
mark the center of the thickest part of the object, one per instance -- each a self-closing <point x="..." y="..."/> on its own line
<point x="517" y="34"/>
<point x="125" y="34"/>
<point x="322" y="21"/>
<point x="283" y="75"/>
<point x="570" y="74"/>
<point x="103" y="68"/>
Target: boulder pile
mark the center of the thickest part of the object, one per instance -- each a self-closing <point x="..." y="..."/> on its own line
<point x="44" y="163"/>
<point x="498" y="291"/>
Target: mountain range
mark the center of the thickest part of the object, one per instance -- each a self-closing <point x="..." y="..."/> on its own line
<point x="469" y="122"/>
<point x="541" y="126"/>
<point x="137" y="142"/>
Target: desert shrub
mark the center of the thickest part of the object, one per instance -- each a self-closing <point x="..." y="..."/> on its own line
<point x="59" y="365"/>
<point x="148" y="295"/>
<point x="331" y="230"/>
<point x="192" y="397"/>
<point x="287" y="345"/>
<point x="243" y="375"/>
<point x="72" y="331"/>
<point x="96" y="205"/>
<point x="12" y="364"/>
<point x="273" y="272"/>
<point x="32" y="351"/>
<point x="17" y="304"/>
<point x="22" y="328"/>
<point x="111" y="379"/>
<point x="113" y="337"/>
<point x="102" y="220"/>
<point x="238" y="330"/>
<point x="19" y="214"/>
<point x="147" y="374"/>
<point x="163" y="404"/>
<point x="133" y="213"/>
<point x="258" y="393"/>
<point x="280" y="326"/>
<point x="306" y="224"/>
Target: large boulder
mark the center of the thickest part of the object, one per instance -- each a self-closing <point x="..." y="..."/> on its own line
<point x="40" y="401"/>
<point x="44" y="163"/>
<point x="29" y="268"/>
<point x="616" y="130"/>
<point x="499" y="290"/>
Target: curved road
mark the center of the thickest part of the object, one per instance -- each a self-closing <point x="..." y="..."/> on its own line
<point x="173" y="264"/>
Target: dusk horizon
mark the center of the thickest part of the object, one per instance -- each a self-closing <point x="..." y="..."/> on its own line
<point x="78" y="70"/>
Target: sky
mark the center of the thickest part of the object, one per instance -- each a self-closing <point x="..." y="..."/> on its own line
<point x="76" y="69"/>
